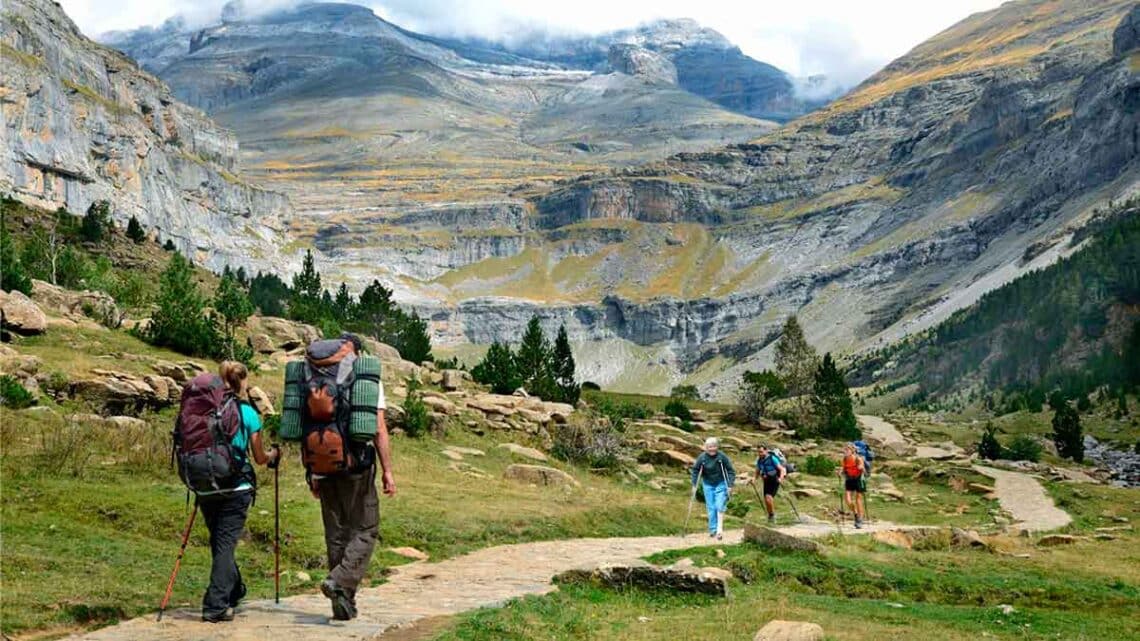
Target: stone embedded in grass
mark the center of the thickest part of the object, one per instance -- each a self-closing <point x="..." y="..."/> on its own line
<point x="1053" y="540"/>
<point x="539" y="475"/>
<point x="677" y="577"/>
<point x="524" y="452"/>
<point x="666" y="458"/>
<point x="770" y="538"/>
<point x="410" y="553"/>
<point x="21" y="314"/>
<point x="806" y="493"/>
<point x="789" y="631"/>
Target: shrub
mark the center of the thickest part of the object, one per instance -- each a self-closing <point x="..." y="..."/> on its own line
<point x="57" y="384"/>
<point x="989" y="447"/>
<point x="1023" y="448"/>
<point x="169" y="245"/>
<point x="498" y="370"/>
<point x="417" y="421"/>
<point x="1067" y="433"/>
<point x="737" y="507"/>
<point x="180" y="322"/>
<point x="677" y="409"/>
<point x="135" y="231"/>
<point x="620" y="411"/>
<point x="819" y="465"/>
<point x="686" y="393"/>
<point x="13" y="394"/>
<point x="592" y="444"/>
<point x="757" y="391"/>
<point x="96" y="222"/>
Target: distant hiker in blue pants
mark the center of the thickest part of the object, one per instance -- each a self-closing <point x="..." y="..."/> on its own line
<point x="717" y="477"/>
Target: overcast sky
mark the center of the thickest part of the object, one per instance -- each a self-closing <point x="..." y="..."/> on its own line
<point x="845" y="39"/>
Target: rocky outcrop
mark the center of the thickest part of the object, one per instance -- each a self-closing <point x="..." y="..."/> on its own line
<point x="124" y="393"/>
<point x="77" y="306"/>
<point x="769" y="538"/>
<point x="777" y="630"/>
<point x="1126" y="38"/>
<point x="20" y="314"/>
<point x="83" y="123"/>
<point x="635" y="60"/>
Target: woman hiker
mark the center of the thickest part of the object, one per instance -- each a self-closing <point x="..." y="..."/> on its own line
<point x="717" y="476"/>
<point x="771" y="471"/>
<point x="225" y="514"/>
<point x="854" y="483"/>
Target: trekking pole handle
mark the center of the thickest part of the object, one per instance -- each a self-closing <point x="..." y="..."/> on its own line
<point x="276" y="457"/>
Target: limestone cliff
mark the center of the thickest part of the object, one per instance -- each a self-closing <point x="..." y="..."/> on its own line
<point x="82" y="123"/>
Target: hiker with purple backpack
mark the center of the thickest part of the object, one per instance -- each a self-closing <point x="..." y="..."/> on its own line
<point x="215" y="433"/>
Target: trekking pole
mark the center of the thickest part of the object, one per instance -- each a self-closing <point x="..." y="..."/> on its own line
<point x="792" y="503"/>
<point x="178" y="561"/>
<point x="277" y="527"/>
<point x="692" y="498"/>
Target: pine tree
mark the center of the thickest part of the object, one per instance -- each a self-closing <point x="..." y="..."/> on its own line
<point x="534" y="361"/>
<point x="180" y="321"/>
<point x="413" y="341"/>
<point x="498" y="370"/>
<point x="989" y="447"/>
<point x="1067" y="433"/>
<point x="12" y="274"/>
<point x="305" y="294"/>
<point x="268" y="293"/>
<point x="135" y="231"/>
<point x="568" y="390"/>
<point x="796" y="364"/>
<point x="96" y="222"/>
<point x="343" y="305"/>
<point x="232" y="303"/>
<point x="831" y="402"/>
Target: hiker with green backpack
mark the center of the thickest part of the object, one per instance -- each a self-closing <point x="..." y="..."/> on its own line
<point x="214" y="435"/>
<point x="334" y="405"/>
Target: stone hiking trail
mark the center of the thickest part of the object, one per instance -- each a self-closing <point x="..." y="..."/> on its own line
<point x="492" y="576"/>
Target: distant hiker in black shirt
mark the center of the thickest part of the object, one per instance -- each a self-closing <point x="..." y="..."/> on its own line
<point x="771" y="471"/>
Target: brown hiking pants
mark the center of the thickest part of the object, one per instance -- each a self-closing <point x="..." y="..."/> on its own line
<point x="350" y="509"/>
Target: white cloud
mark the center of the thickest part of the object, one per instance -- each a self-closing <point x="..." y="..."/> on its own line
<point x="840" y="38"/>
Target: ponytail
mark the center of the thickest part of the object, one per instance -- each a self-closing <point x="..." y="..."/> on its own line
<point x="233" y="374"/>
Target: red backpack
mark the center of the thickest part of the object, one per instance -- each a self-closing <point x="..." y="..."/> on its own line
<point x="208" y="418"/>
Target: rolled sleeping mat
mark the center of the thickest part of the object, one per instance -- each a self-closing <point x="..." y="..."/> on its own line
<point x="365" y="395"/>
<point x="291" y="404"/>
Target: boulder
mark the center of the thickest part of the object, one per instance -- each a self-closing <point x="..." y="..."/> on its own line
<point x="170" y="370"/>
<point x="21" y="315"/>
<point x="119" y="392"/>
<point x="894" y="538"/>
<point x="769" y="425"/>
<point x="789" y="631"/>
<point x="452" y="380"/>
<point x="806" y="492"/>
<point x="76" y="305"/>
<point x="125" y="423"/>
<point x="524" y="452"/>
<point x="262" y="344"/>
<point x="967" y="539"/>
<point x="451" y="454"/>
<point x="539" y="475"/>
<point x="738" y="443"/>
<point x="675" y="578"/>
<point x="769" y="538"/>
<point x="440" y="405"/>
<point x="466" y="451"/>
<point x="681" y="445"/>
<point x="666" y="458"/>
<point x="262" y="402"/>
<point x="18" y="365"/>
<point x="979" y="488"/>
<point x="540" y="418"/>
<point x="468" y="470"/>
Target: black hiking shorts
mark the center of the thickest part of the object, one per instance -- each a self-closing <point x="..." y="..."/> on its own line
<point x="771" y="485"/>
<point x="855" y="484"/>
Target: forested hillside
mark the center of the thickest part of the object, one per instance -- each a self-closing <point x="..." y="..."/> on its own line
<point x="1074" y="326"/>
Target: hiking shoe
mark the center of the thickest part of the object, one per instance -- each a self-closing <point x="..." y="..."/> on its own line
<point x="858" y="523"/>
<point x="218" y="617"/>
<point x="342" y="606"/>
<point x="771" y="519"/>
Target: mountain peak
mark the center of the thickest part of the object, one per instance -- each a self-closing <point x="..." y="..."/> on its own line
<point x="675" y="33"/>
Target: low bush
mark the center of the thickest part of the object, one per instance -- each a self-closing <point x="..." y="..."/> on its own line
<point x="620" y="411"/>
<point x="13" y="394"/>
<point x="1023" y="448"/>
<point x="595" y="445"/>
<point x="677" y="409"/>
<point x="417" y="421"/>
<point x="989" y="447"/>
<point x="819" y="465"/>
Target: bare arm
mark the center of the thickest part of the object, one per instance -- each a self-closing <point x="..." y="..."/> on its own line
<point x="384" y="452"/>
<point x="257" y="448"/>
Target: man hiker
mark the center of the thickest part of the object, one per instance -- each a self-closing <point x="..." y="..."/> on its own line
<point x="225" y="505"/>
<point x="771" y="471"/>
<point x="852" y="470"/>
<point x="350" y="507"/>
<point x="717" y="476"/>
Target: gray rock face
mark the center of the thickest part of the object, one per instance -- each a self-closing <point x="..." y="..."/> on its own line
<point x="635" y="60"/>
<point x="1127" y="34"/>
<point x="83" y="123"/>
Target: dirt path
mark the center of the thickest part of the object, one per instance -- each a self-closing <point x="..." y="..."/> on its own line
<point x="485" y="578"/>
<point x="1026" y="500"/>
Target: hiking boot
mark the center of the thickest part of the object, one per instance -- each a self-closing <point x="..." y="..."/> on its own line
<point x="771" y="519"/>
<point x="858" y="523"/>
<point x="218" y="617"/>
<point x="342" y="606"/>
